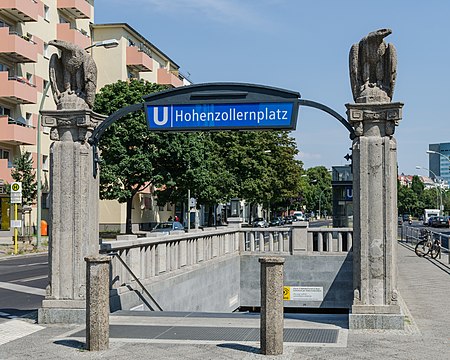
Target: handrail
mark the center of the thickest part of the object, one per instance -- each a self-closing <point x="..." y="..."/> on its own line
<point x="137" y="280"/>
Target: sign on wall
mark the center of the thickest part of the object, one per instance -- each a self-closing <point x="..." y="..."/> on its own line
<point x="303" y="293"/>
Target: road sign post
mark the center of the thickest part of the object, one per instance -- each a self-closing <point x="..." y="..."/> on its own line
<point x="16" y="198"/>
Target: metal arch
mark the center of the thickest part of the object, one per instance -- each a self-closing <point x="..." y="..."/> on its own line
<point x="98" y="131"/>
<point x="330" y="111"/>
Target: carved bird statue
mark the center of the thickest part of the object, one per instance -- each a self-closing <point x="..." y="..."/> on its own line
<point x="373" y="68"/>
<point x="74" y="73"/>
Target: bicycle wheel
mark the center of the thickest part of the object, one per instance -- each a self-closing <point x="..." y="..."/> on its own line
<point x="435" y="250"/>
<point x="422" y="248"/>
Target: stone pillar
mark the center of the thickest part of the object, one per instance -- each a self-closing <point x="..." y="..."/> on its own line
<point x="375" y="215"/>
<point x="271" y="331"/>
<point x="73" y="214"/>
<point x="299" y="237"/>
<point x="97" y="302"/>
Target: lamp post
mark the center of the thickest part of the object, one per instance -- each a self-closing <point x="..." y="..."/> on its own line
<point x="107" y="44"/>
<point x="438" y="153"/>
<point x="440" y="188"/>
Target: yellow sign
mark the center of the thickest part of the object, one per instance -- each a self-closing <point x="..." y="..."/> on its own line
<point x="286" y="293"/>
<point x="16" y="186"/>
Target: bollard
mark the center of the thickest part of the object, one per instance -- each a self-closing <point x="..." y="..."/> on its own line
<point x="97" y="302"/>
<point x="271" y="331"/>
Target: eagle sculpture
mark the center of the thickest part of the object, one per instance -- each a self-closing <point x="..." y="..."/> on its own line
<point x="73" y="76"/>
<point x="373" y="68"/>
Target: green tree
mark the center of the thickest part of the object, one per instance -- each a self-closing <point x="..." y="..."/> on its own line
<point x="23" y="172"/>
<point x="318" y="189"/>
<point x="129" y="151"/>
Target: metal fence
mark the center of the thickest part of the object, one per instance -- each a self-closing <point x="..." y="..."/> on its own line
<point x="412" y="235"/>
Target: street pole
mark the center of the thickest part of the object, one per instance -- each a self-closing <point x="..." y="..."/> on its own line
<point x="38" y="169"/>
<point x="438" y="195"/>
<point x="189" y="211"/>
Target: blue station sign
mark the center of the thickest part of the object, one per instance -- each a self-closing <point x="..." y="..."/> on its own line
<point x="222" y="106"/>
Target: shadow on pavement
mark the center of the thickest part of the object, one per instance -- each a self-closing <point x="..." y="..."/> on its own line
<point x="240" y="347"/>
<point x="71" y="343"/>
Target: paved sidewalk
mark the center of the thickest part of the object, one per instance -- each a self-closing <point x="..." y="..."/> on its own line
<point x="423" y="285"/>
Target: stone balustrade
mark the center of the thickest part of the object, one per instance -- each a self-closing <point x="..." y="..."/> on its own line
<point x="149" y="257"/>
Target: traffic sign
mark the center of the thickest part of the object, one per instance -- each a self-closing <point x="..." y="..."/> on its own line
<point x="16" y="187"/>
<point x="16" y="193"/>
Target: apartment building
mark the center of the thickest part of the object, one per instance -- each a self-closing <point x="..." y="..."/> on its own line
<point x="134" y="58"/>
<point x="26" y="27"/>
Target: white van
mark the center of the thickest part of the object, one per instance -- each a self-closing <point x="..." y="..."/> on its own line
<point x="299" y="215"/>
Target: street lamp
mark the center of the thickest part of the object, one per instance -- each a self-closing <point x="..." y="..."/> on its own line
<point x="438" y="153"/>
<point x="107" y="44"/>
<point x="440" y="188"/>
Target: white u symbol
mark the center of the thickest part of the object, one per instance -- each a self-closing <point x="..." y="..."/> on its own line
<point x="165" y="116"/>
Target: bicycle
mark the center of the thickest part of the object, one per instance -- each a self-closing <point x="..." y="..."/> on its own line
<point x="428" y="246"/>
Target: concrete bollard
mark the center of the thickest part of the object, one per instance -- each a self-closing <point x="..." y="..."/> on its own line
<point x="97" y="302"/>
<point x="271" y="331"/>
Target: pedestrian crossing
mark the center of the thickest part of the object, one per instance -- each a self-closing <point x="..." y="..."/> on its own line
<point x="14" y="329"/>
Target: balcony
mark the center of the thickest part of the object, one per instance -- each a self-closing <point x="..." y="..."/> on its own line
<point x="5" y="170"/>
<point x="138" y="60"/>
<point x="167" y="78"/>
<point x="75" y="36"/>
<point x="15" y="132"/>
<point x="16" y="48"/>
<point x="74" y="9"/>
<point x="17" y="90"/>
<point x="21" y="10"/>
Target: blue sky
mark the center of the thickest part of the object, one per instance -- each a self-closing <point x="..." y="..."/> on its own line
<point x="303" y="46"/>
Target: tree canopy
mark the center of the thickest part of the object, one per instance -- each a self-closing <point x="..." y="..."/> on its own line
<point x="258" y="166"/>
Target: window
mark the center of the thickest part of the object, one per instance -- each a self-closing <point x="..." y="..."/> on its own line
<point x="4" y="154"/>
<point x="4" y="24"/>
<point x="29" y="119"/>
<point x="46" y="13"/>
<point x="63" y="20"/>
<point x="30" y="78"/>
<point x="46" y="50"/>
<point x="5" y="111"/>
<point x="45" y="162"/>
<point x="4" y="67"/>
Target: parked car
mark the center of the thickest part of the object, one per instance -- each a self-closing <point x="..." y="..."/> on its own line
<point x="260" y="222"/>
<point x="430" y="220"/>
<point x="288" y="219"/>
<point x="276" y="221"/>
<point x="447" y="219"/>
<point x="168" y="227"/>
<point x="438" y="221"/>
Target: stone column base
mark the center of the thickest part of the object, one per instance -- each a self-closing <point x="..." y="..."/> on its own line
<point x="62" y="312"/>
<point x="372" y="317"/>
<point x="234" y="222"/>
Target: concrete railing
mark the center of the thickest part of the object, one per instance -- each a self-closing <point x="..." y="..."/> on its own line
<point x="297" y="239"/>
<point x="149" y="257"/>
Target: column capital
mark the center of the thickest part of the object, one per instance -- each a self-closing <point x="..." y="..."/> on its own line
<point x="71" y="125"/>
<point x="374" y="119"/>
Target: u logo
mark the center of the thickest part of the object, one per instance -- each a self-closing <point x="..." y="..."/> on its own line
<point x="165" y="118"/>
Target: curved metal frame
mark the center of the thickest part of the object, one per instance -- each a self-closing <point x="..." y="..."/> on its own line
<point x="98" y="132"/>
<point x="331" y="112"/>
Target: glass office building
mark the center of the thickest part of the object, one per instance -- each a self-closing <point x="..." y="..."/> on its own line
<point x="438" y="164"/>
